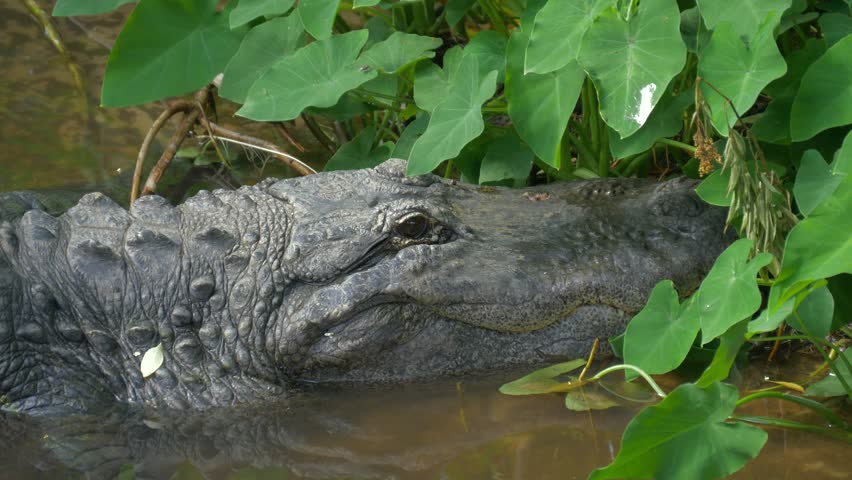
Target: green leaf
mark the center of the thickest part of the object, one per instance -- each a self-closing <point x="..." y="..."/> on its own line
<point x="318" y="16"/>
<point x="455" y="121"/>
<point x="840" y="285"/>
<point x="659" y="336"/>
<point x="507" y="158"/>
<point x="802" y="263"/>
<point x="729" y="293"/>
<point x="729" y="346"/>
<point x="686" y="436"/>
<point x="248" y="10"/>
<point x="665" y="121"/>
<point x="830" y="386"/>
<point x="399" y="50"/>
<point x="842" y="164"/>
<point x="555" y="35"/>
<point x="583" y="399"/>
<point x="632" y="62"/>
<point x="745" y="17"/>
<point x="456" y="10"/>
<point x="167" y="49"/>
<point x="410" y="135"/>
<point x="834" y="26"/>
<point x="541" y="381"/>
<point x="70" y="8"/>
<point x="540" y="105"/>
<point x="714" y="189"/>
<point x="695" y="33"/>
<point x="365" y="3"/>
<point x="773" y="125"/>
<point x="430" y="83"/>
<point x="359" y="152"/>
<point x="261" y="48"/>
<point x="814" y="315"/>
<point x="739" y="69"/>
<point x="489" y="48"/>
<point x="315" y="75"/>
<point x="815" y="182"/>
<point x="825" y="96"/>
<point x="768" y="321"/>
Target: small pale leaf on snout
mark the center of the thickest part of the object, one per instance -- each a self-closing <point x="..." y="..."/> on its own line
<point x="152" y="360"/>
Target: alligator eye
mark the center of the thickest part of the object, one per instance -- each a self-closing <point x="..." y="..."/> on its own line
<point x="413" y="226"/>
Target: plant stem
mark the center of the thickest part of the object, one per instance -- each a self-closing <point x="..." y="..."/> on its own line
<point x="817" y="407"/>
<point x="638" y="370"/>
<point x="791" y="424"/>
<point x="674" y="143"/>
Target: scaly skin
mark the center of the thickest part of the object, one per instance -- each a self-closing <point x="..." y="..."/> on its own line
<point x="314" y="279"/>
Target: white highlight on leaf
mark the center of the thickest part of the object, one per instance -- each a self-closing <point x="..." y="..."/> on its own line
<point x="645" y="103"/>
<point x="152" y="360"/>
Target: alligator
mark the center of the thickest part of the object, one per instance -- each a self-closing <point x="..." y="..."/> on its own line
<point x="363" y="276"/>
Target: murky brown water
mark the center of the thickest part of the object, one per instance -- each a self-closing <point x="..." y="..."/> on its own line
<point x="52" y="135"/>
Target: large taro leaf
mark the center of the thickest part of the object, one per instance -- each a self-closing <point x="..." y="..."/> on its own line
<point x="399" y="50"/>
<point x="632" y="62"/>
<point x="814" y="315"/>
<point x="507" y="158"/>
<point x="316" y="75"/>
<point x="817" y="247"/>
<point x="815" y="181"/>
<point x="744" y="16"/>
<point x="167" y="49"/>
<point x="729" y="346"/>
<point x="686" y="436"/>
<point x="541" y="381"/>
<point x="261" y="48"/>
<point x="456" y="10"/>
<point x="359" y="152"/>
<point x="825" y="95"/>
<point x="556" y="33"/>
<point x="68" y="8"/>
<point x="431" y="81"/>
<point x="739" y="69"/>
<point x="540" y="105"/>
<point x="660" y="335"/>
<point x="318" y="16"/>
<point x="831" y="386"/>
<point x="665" y="121"/>
<point x="455" y="121"/>
<point x="412" y="132"/>
<point x="834" y="26"/>
<point x="248" y="10"/>
<point x="773" y="125"/>
<point x="729" y="293"/>
<point x="489" y="47"/>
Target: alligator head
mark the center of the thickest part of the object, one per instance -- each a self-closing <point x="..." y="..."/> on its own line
<point x="362" y="275"/>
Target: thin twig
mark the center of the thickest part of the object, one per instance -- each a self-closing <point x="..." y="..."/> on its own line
<point x="223" y="133"/>
<point x="317" y="132"/>
<point x="282" y="129"/>
<point x="189" y="119"/>
<point x="56" y="40"/>
<point x="158" y="124"/>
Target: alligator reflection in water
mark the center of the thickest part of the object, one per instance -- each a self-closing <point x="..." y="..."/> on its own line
<point x="431" y="431"/>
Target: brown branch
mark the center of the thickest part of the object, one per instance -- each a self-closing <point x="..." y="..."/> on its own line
<point x="189" y="119"/>
<point x="158" y="124"/>
<point x="223" y="132"/>
<point x="282" y="129"/>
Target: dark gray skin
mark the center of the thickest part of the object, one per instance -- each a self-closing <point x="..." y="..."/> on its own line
<point x="360" y="276"/>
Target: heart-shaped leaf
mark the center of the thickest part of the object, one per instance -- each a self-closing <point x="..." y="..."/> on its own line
<point x="316" y="75"/>
<point x="556" y="33"/>
<point x="541" y="381"/>
<point x="632" y="61"/>
<point x="686" y="436"/>
<point x="167" y="49"/>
